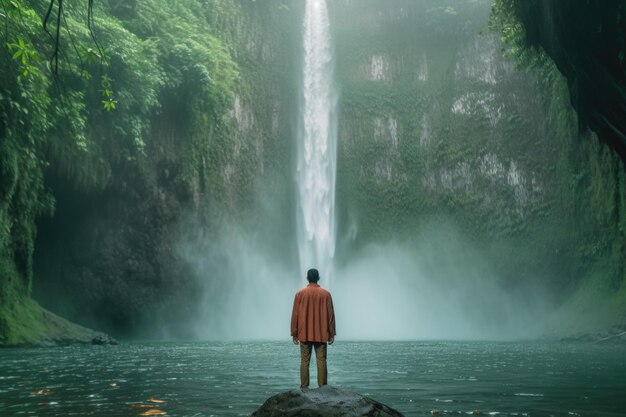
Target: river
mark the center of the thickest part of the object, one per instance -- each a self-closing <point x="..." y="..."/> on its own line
<point x="235" y="378"/>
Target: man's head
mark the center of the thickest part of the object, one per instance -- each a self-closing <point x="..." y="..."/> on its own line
<point x="312" y="275"/>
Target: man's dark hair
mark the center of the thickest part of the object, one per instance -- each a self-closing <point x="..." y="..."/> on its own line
<point x="312" y="275"/>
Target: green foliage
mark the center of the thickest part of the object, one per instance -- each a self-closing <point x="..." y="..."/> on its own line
<point x="27" y="56"/>
<point x="96" y="115"/>
<point x="108" y="102"/>
<point x="503" y="22"/>
<point x="189" y="53"/>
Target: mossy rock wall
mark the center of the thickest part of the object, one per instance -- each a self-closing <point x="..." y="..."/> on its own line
<point x="438" y="127"/>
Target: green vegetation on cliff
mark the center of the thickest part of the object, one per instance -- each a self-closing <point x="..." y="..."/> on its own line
<point x="88" y="123"/>
<point x="213" y="152"/>
<point x="439" y="127"/>
<point x="587" y="43"/>
<point x="577" y="54"/>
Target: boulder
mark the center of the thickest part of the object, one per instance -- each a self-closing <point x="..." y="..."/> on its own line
<point x="101" y="339"/>
<point x="325" y="401"/>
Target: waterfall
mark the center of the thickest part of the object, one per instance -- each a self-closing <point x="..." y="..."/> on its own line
<point x="317" y="145"/>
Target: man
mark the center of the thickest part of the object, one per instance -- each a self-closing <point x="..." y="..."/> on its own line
<point x="313" y="326"/>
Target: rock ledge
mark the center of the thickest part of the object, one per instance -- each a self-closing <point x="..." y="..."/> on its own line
<point x="326" y="401"/>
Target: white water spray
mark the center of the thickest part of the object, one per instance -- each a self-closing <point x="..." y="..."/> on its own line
<point x="317" y="145"/>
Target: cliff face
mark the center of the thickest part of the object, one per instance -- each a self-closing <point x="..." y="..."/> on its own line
<point x="445" y="122"/>
<point x="436" y="128"/>
<point x="117" y="258"/>
<point x="587" y="44"/>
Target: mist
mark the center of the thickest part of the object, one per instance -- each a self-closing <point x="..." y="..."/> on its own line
<point x="436" y="286"/>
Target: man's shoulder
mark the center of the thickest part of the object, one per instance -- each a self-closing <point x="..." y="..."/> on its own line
<point x="325" y="291"/>
<point x="302" y="291"/>
<point x="313" y="289"/>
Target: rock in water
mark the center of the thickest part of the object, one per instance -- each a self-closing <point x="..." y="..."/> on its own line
<point x="325" y="401"/>
<point x="103" y="339"/>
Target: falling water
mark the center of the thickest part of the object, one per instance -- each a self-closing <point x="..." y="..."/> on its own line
<point x="317" y="145"/>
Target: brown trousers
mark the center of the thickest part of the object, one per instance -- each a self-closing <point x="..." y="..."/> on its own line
<point x="305" y="359"/>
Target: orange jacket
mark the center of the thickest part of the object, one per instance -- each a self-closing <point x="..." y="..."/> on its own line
<point x="313" y="316"/>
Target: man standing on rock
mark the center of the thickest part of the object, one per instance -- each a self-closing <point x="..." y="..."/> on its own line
<point x="313" y="326"/>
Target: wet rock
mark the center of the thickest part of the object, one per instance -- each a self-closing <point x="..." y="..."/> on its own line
<point x="616" y="334"/>
<point x="326" y="401"/>
<point x="103" y="339"/>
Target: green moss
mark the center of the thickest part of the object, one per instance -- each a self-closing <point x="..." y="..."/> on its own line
<point x="22" y="323"/>
<point x="25" y="323"/>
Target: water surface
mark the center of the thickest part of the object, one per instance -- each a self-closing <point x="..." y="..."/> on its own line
<point x="233" y="379"/>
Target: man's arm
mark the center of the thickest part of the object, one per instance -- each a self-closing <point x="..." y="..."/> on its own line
<point x="331" y="320"/>
<point x="294" y="320"/>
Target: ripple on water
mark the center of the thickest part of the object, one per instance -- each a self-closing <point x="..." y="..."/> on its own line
<point x="205" y="379"/>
